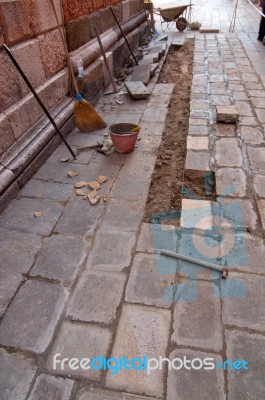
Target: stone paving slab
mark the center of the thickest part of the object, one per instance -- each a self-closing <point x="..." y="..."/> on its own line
<point x="60" y="258"/>
<point x="112" y="249"/>
<point x="256" y="157"/>
<point x="151" y="280"/>
<point x="31" y="328"/>
<point x="198" y="323"/>
<point x="132" y="341"/>
<point x="189" y="384"/>
<point x="47" y="190"/>
<point x="228" y="153"/>
<point x="233" y="178"/>
<point x="243" y="300"/>
<point x="49" y="387"/>
<point x="9" y="284"/>
<point x="16" y="375"/>
<point x="124" y="214"/>
<point x="18" y="250"/>
<point x="76" y="340"/>
<point x="154" y="237"/>
<point x="86" y="305"/>
<point x="249" y="347"/>
<point x="141" y="73"/>
<point x="20" y="216"/>
<point x="237" y="214"/>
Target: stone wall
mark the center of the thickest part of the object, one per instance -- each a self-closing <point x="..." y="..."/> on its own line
<point x="29" y="28"/>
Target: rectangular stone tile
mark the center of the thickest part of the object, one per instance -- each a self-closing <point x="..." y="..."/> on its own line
<point x="130" y="187"/>
<point x="258" y="102"/>
<point x="238" y="214"/>
<point x="151" y="280"/>
<point x="197" y="143"/>
<point x="251" y="121"/>
<point x="79" y="217"/>
<point x="112" y="249"/>
<point x="260" y="115"/>
<point x="256" y="157"/>
<point x="256" y="93"/>
<point x="249" y="77"/>
<point x="228" y="153"/>
<point x="198" y="130"/>
<point x="198" y="323"/>
<point x="60" y="258"/>
<point x="149" y="115"/>
<point x="16" y="374"/>
<point x="233" y="178"/>
<point x="86" y="304"/>
<point x="50" y="387"/>
<point x="47" y="190"/>
<point x="163" y="88"/>
<point x="125" y="214"/>
<point x="9" y="283"/>
<point x="57" y="172"/>
<point x="250" y="348"/>
<point x="18" y="250"/>
<point x="225" y="130"/>
<point x="196" y="214"/>
<point x="32" y="316"/>
<point x="99" y="394"/>
<point x="197" y="160"/>
<point x="227" y="114"/>
<point x="154" y="237"/>
<point x="81" y="341"/>
<point x="243" y="300"/>
<point x="154" y="129"/>
<point x="20" y="216"/>
<point x="251" y="135"/>
<point x="185" y="384"/>
<point x="141" y="73"/>
<point x="132" y="341"/>
<point x="244" y="108"/>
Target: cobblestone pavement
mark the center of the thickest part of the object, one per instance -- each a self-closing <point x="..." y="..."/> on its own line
<point x="85" y="281"/>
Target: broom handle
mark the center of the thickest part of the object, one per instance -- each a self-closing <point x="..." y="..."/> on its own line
<point x="10" y="55"/>
<point x="106" y="61"/>
<point x="65" y="46"/>
<point x="116" y="19"/>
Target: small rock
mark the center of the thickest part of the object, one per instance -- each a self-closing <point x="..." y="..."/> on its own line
<point x="101" y="179"/>
<point x="169" y="152"/>
<point x="80" y="184"/>
<point x="94" y="185"/>
<point x="80" y="192"/>
<point x="37" y="214"/>
<point x="93" y="197"/>
<point x="72" y="173"/>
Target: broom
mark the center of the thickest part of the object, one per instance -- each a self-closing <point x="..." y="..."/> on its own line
<point x="86" y="118"/>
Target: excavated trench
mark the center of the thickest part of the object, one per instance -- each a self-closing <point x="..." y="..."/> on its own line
<point x="168" y="183"/>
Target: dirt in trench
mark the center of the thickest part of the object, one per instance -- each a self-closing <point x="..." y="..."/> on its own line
<point x="168" y="184"/>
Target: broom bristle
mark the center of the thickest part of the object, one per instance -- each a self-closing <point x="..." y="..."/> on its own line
<point x="86" y="118"/>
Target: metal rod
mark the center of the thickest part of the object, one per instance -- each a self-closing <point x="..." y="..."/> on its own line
<point x="10" y="55"/>
<point x="116" y="19"/>
<point x="195" y="261"/>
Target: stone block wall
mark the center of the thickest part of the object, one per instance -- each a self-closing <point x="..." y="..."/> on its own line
<point x="29" y="28"/>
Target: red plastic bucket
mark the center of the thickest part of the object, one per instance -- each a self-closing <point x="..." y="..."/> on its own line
<point x="123" y="138"/>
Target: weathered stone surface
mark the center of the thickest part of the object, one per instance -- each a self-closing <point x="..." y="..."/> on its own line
<point x="237" y="214"/>
<point x="77" y="32"/>
<point x="20" y="215"/>
<point x="137" y="90"/>
<point x="75" y="340"/>
<point x="243" y="384"/>
<point x="99" y="394"/>
<point x="86" y="305"/>
<point x="154" y="237"/>
<point x="259" y="185"/>
<point x="60" y="258"/>
<point x="198" y="130"/>
<point x="31" y="328"/>
<point x="178" y="41"/>
<point x="184" y="384"/>
<point x="79" y="218"/>
<point x="141" y="73"/>
<point x="198" y="323"/>
<point x="197" y="160"/>
<point x="243" y="299"/>
<point x="131" y="339"/>
<point x="196" y="214"/>
<point x="52" y="52"/>
<point x="47" y="190"/>
<point x="6" y="134"/>
<point x="258" y="102"/>
<point x="159" y="116"/>
<point x="224" y="130"/>
<point x="158" y="49"/>
<point x="150" y="280"/>
<point x="261" y="207"/>
<point x="9" y="283"/>
<point x="256" y="157"/>
<point x="197" y="143"/>
<point x="125" y="10"/>
<point x="154" y="57"/>
<point x="227" y="114"/>
<point x="112" y="250"/>
<point x="124" y="214"/>
<point x="199" y="80"/>
<point x="49" y="387"/>
<point x="233" y="179"/>
<point x="244" y="108"/>
<point x="228" y="153"/>
<point x="18" y="250"/>
<point x="251" y="135"/>
<point x="16" y="374"/>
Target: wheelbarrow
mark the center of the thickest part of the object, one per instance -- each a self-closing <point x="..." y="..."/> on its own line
<point x="173" y="15"/>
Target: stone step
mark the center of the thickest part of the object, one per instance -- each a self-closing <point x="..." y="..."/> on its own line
<point x="141" y="73"/>
<point x="227" y="114"/>
<point x="137" y="90"/>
